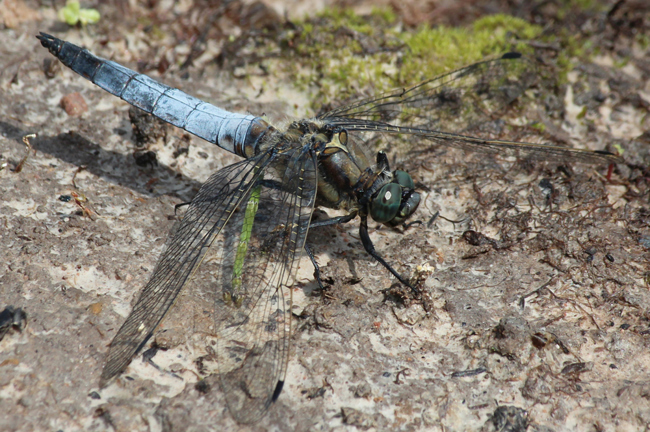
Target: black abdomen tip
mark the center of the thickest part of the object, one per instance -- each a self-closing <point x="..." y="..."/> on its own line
<point x="50" y="42"/>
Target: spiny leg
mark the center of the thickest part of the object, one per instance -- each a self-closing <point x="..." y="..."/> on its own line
<point x="310" y="253"/>
<point x="333" y="221"/>
<point x="370" y="248"/>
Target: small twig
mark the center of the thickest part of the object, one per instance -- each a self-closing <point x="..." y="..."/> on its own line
<point x="20" y="165"/>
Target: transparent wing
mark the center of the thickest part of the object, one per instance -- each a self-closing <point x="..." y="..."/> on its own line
<point x="251" y="306"/>
<point x="253" y="272"/>
<point x="189" y="241"/>
<point x="446" y="108"/>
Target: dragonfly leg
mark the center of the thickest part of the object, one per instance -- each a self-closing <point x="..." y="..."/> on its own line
<point x="177" y="206"/>
<point x="148" y="356"/>
<point x="310" y="254"/>
<point x="370" y="248"/>
<point x="333" y="221"/>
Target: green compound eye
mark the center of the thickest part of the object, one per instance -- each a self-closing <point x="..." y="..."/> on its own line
<point x="386" y="205"/>
<point x="404" y="179"/>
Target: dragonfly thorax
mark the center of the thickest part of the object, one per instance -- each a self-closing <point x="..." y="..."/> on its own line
<point x="340" y="168"/>
<point x="347" y="181"/>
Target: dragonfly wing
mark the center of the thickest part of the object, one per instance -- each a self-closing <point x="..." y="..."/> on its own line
<point x="191" y="238"/>
<point x="446" y="109"/>
<point x="244" y="229"/>
<point x="252" y="270"/>
<point x="453" y="102"/>
<point x="501" y="147"/>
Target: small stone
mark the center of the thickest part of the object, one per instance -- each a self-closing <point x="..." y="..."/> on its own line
<point x="95" y="308"/>
<point x="74" y="104"/>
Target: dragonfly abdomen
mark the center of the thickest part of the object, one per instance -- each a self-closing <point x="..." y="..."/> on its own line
<point x="237" y="133"/>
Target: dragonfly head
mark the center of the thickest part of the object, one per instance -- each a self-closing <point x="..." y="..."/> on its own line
<point x="395" y="201"/>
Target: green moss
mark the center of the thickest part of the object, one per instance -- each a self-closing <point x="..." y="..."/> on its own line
<point x="499" y="25"/>
<point x="582" y="5"/>
<point x="582" y="113"/>
<point x="541" y="127"/>
<point x="436" y="50"/>
<point x="333" y="52"/>
<point x="622" y="62"/>
<point x="572" y="49"/>
<point x="567" y="8"/>
<point x="307" y="28"/>
<point x="384" y="14"/>
<point x="348" y="54"/>
<point x="339" y="55"/>
<point x="346" y="18"/>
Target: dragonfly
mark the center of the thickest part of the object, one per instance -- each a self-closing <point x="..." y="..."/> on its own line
<point x="244" y="231"/>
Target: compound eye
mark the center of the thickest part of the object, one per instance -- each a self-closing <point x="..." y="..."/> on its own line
<point x="386" y="205"/>
<point x="407" y="209"/>
<point x="404" y="179"/>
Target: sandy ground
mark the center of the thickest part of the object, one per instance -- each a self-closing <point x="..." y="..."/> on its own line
<point x="538" y="321"/>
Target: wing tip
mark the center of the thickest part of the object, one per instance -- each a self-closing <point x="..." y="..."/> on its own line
<point x="106" y="378"/>
<point x="277" y="391"/>
<point x="609" y="156"/>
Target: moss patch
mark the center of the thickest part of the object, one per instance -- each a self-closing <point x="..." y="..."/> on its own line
<point x="347" y="54"/>
<point x="433" y="51"/>
<point x="338" y="55"/>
